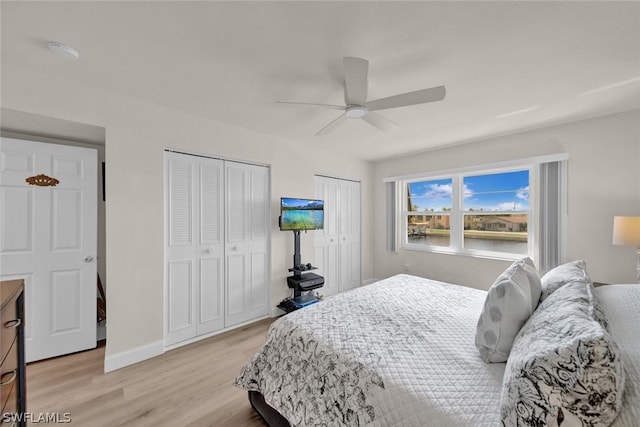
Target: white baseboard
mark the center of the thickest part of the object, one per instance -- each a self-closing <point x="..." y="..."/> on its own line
<point x="212" y="334"/>
<point x="135" y="355"/>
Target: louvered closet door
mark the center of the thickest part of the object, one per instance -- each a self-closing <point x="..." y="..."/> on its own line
<point x="349" y="235"/>
<point x="246" y="249"/>
<point x="337" y="246"/>
<point x="326" y="240"/>
<point x="194" y="247"/>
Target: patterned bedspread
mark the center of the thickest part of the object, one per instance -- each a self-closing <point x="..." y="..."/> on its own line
<point x="399" y="352"/>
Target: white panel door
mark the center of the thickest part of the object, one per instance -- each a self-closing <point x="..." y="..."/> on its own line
<point x="48" y="235"/>
<point x="246" y="248"/>
<point x="194" y="246"/>
<point x="349" y="235"/>
<point x="326" y="240"/>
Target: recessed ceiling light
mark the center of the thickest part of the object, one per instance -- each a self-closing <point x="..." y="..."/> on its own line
<point x="521" y="111"/>
<point x="63" y="50"/>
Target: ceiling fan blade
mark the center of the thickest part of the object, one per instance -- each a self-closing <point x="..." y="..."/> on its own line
<point x="410" y="98"/>
<point x="380" y="122"/>
<point x="331" y="126"/>
<point x="310" y="104"/>
<point x="356" y="72"/>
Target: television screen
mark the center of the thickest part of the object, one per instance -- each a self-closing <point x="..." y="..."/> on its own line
<point x="301" y="214"/>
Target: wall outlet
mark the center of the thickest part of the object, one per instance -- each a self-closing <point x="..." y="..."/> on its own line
<point x="406" y="268"/>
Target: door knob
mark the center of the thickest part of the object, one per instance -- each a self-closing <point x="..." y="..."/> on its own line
<point x="209" y="250"/>
<point x="88" y="258"/>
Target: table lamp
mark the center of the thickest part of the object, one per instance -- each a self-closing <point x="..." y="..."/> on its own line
<point x="626" y="232"/>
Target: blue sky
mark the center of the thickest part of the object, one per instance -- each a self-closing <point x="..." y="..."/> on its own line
<point x="496" y="192"/>
<point x="290" y="202"/>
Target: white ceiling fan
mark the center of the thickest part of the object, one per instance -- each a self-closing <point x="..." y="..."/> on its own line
<point x="356" y="83"/>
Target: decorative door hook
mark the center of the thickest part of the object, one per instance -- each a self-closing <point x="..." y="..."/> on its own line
<point x="42" y="180"/>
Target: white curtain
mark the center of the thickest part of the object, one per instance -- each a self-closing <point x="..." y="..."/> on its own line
<point x="392" y="210"/>
<point x="552" y="208"/>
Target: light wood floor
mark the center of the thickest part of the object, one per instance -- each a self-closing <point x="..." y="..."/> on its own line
<point x="189" y="386"/>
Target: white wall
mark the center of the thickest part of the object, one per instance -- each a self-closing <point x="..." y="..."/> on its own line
<point x="136" y="135"/>
<point x="603" y="181"/>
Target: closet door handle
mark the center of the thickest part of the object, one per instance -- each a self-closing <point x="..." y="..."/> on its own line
<point x="12" y="324"/>
<point x="13" y="373"/>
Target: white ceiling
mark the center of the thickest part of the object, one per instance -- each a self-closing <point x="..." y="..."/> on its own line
<point x="229" y="61"/>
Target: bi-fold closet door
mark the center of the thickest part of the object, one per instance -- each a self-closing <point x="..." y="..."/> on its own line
<point x="337" y="245"/>
<point x="216" y="245"/>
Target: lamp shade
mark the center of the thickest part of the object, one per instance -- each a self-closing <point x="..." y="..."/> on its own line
<point x="626" y="230"/>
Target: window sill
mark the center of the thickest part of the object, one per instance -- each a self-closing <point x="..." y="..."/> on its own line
<point x="501" y="256"/>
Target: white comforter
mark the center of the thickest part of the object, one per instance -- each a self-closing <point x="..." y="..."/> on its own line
<point x="621" y="304"/>
<point x="399" y="352"/>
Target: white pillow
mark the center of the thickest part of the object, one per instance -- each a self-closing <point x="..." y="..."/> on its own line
<point x="564" y="368"/>
<point x="559" y="276"/>
<point x="512" y="298"/>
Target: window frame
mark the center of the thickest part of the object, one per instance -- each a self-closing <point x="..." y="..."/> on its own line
<point x="456" y="232"/>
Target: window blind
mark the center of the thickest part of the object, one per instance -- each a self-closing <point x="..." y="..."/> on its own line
<point x="552" y="208"/>
<point x="392" y="209"/>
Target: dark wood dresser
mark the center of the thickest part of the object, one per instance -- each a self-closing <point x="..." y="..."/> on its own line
<point x="12" y="370"/>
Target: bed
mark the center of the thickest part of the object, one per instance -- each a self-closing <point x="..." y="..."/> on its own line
<point x="398" y="352"/>
<point x="621" y="303"/>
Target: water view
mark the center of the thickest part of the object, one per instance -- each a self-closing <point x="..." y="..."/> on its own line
<point x="302" y="219"/>
<point x="515" y="247"/>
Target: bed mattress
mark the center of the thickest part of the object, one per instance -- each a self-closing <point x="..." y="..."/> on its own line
<point x="399" y="352"/>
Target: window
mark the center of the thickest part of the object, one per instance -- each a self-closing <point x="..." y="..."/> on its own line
<point x="501" y="210"/>
<point x="428" y="212"/>
<point x="495" y="212"/>
<point x="485" y="213"/>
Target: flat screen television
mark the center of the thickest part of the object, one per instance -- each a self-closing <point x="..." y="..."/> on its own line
<point x="301" y="214"/>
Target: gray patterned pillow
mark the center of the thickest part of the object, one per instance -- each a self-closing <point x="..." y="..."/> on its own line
<point x="509" y="303"/>
<point x="557" y="277"/>
<point x="564" y="368"/>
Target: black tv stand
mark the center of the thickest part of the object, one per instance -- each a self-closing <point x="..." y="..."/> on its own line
<point x="301" y="281"/>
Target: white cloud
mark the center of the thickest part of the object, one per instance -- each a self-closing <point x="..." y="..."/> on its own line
<point x="523" y="193"/>
<point x="510" y="206"/>
<point x="466" y="191"/>
<point x="439" y="191"/>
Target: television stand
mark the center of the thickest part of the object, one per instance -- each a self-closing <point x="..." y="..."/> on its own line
<point x="302" y="281"/>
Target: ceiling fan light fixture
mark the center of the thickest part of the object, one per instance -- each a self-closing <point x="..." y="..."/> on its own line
<point x="356" y="112"/>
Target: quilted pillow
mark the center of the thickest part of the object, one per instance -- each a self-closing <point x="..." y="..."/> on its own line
<point x="509" y="303"/>
<point x="557" y="277"/>
<point x="564" y="368"/>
